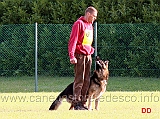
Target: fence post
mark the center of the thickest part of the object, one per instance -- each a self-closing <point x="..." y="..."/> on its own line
<point x="95" y="39"/>
<point x="36" y="52"/>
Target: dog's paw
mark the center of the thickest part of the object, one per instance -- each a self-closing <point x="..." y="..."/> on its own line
<point x="97" y="109"/>
<point x="90" y="109"/>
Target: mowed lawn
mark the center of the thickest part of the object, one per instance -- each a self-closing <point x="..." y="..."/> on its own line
<point x="57" y="84"/>
<point x="124" y="98"/>
<point x="113" y="105"/>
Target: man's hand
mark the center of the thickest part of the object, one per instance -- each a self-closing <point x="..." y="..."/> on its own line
<point x="73" y="61"/>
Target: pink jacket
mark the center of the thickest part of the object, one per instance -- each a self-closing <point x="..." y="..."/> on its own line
<point x="81" y="38"/>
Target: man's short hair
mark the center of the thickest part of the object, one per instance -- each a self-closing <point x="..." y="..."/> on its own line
<point x="90" y="9"/>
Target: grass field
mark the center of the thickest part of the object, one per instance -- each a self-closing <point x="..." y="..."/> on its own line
<point x="113" y="105"/>
<point x="57" y="84"/>
<point x="124" y="98"/>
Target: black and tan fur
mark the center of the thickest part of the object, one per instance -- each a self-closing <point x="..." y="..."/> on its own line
<point x="98" y="82"/>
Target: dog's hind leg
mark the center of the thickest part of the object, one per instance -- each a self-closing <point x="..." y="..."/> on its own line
<point x="90" y="102"/>
<point x="97" y="104"/>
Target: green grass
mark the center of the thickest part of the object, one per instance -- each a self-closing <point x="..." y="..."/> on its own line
<point x="113" y="105"/>
<point x="125" y="97"/>
<point x="133" y="84"/>
<point x="57" y="84"/>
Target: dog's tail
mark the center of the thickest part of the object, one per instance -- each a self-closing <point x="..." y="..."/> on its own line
<point x="64" y="94"/>
<point x="57" y="102"/>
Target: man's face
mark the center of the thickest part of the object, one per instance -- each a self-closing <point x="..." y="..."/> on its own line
<point x="92" y="17"/>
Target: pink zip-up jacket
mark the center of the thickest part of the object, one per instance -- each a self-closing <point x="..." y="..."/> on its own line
<point x="81" y="38"/>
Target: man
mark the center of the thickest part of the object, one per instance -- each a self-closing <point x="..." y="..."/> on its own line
<point x="80" y="50"/>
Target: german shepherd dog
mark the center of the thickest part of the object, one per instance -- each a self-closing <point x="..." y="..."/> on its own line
<point x="98" y="82"/>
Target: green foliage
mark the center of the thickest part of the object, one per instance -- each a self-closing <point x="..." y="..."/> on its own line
<point x="17" y="51"/>
<point x="132" y="49"/>
<point x="53" y="56"/>
<point x="127" y="46"/>
<point x="143" y="50"/>
<point x="14" y="12"/>
<point x="67" y="11"/>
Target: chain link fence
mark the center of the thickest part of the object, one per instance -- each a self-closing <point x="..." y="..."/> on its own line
<point x="132" y="49"/>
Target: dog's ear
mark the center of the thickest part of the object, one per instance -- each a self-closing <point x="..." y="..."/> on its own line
<point x="106" y="61"/>
<point x="97" y="58"/>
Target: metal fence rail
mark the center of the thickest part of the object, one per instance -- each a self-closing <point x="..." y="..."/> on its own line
<point x="132" y="49"/>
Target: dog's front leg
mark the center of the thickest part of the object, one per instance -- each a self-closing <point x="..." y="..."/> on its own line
<point x="97" y="104"/>
<point x="90" y="102"/>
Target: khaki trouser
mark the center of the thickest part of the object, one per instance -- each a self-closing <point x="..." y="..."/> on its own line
<point x="82" y="77"/>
